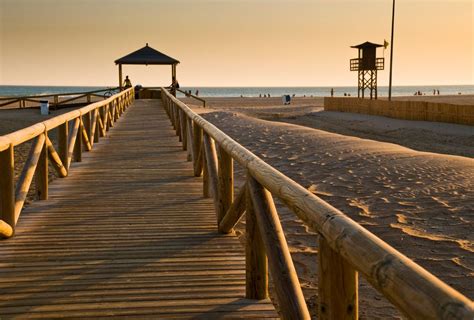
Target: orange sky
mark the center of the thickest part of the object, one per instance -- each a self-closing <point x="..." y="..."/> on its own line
<point x="233" y="42"/>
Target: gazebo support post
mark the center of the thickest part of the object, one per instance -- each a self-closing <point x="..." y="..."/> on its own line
<point x="120" y="76"/>
<point x="173" y="80"/>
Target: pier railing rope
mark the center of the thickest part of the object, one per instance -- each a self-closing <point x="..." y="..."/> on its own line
<point x="78" y="131"/>
<point x="345" y="247"/>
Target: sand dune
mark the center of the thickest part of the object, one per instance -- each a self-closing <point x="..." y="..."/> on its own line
<point x="420" y="203"/>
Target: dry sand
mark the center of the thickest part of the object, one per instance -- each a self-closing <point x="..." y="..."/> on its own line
<point x="435" y="137"/>
<point x="420" y="203"/>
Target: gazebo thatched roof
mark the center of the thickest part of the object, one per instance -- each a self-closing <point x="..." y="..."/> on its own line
<point x="147" y="55"/>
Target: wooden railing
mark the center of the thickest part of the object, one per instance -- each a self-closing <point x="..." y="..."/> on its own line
<point x="55" y="101"/>
<point x="77" y="130"/>
<point x="345" y="247"/>
<point x="193" y="96"/>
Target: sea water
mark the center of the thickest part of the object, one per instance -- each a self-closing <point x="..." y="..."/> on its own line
<point x="255" y="91"/>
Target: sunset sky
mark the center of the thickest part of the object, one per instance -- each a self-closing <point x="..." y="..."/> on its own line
<point x="233" y="42"/>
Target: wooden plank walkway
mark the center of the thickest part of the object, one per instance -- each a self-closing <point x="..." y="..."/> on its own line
<point x="127" y="234"/>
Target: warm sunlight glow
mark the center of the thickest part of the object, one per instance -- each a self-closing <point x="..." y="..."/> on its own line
<point x="233" y="42"/>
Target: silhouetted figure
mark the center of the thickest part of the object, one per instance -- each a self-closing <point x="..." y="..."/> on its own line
<point x="434" y="92"/>
<point x="197" y="92"/>
<point x="332" y="92"/>
<point x="438" y="92"/>
<point x="127" y="83"/>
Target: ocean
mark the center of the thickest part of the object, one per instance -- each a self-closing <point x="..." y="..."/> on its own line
<point x="254" y="91"/>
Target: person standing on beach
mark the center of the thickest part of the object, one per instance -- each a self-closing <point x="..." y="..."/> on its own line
<point x="127" y="83"/>
<point x="332" y="92"/>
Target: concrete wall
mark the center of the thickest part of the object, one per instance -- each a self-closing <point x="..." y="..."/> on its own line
<point x="407" y="110"/>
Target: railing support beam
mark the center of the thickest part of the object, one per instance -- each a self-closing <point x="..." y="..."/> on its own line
<point x="285" y="279"/>
<point x="7" y="186"/>
<point x="338" y="285"/>
<point x="41" y="174"/>
<point x="256" y="263"/>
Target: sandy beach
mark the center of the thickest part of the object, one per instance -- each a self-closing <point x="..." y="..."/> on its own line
<point x="419" y="201"/>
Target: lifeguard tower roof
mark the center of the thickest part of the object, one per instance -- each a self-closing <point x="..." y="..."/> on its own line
<point x="367" y="44"/>
<point x="147" y="55"/>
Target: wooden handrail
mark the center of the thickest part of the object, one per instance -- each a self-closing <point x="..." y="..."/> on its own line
<point x="193" y="96"/>
<point x="57" y="94"/>
<point x="72" y="141"/>
<point x="76" y="96"/>
<point x="412" y="289"/>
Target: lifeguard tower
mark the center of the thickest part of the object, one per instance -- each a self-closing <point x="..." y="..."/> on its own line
<point x="367" y="65"/>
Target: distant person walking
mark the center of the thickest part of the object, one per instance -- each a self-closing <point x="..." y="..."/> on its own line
<point x="332" y="92"/>
<point x="127" y="83"/>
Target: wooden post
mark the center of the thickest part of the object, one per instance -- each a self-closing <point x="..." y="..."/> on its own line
<point x="287" y="286"/>
<point x="225" y="184"/>
<point x="174" y="82"/>
<point x="211" y="165"/>
<point x="256" y="263"/>
<point x="235" y="212"/>
<point x="28" y="173"/>
<point x="178" y="123"/>
<point x="120" y="76"/>
<point x="56" y="162"/>
<point x="205" y="175"/>
<point x="56" y="101"/>
<point x="89" y="98"/>
<point x="189" y="138"/>
<point x="86" y="121"/>
<point x="78" y="146"/>
<point x="96" y="124"/>
<point x="63" y="146"/>
<point x="197" y="150"/>
<point x="41" y="173"/>
<point x="184" y="134"/>
<point x="338" y="285"/>
<point x="7" y="186"/>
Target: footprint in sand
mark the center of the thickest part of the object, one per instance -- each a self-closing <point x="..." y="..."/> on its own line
<point x="364" y="208"/>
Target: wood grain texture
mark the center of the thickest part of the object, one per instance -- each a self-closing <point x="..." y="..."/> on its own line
<point x="27" y="174"/>
<point x="7" y="185"/>
<point x="55" y="159"/>
<point x="197" y="150"/>
<point x="211" y="164"/>
<point x="41" y="174"/>
<point x="63" y="147"/>
<point x="337" y="285"/>
<point x="287" y="286"/>
<point x="235" y="212"/>
<point x="6" y="231"/>
<point x="225" y="184"/>
<point x="126" y="234"/>
<point x="412" y="289"/>
<point x="256" y="262"/>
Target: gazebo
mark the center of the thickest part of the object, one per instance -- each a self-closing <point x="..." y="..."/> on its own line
<point x="148" y="56"/>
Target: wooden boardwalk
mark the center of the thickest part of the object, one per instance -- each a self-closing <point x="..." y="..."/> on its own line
<point x="129" y="234"/>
